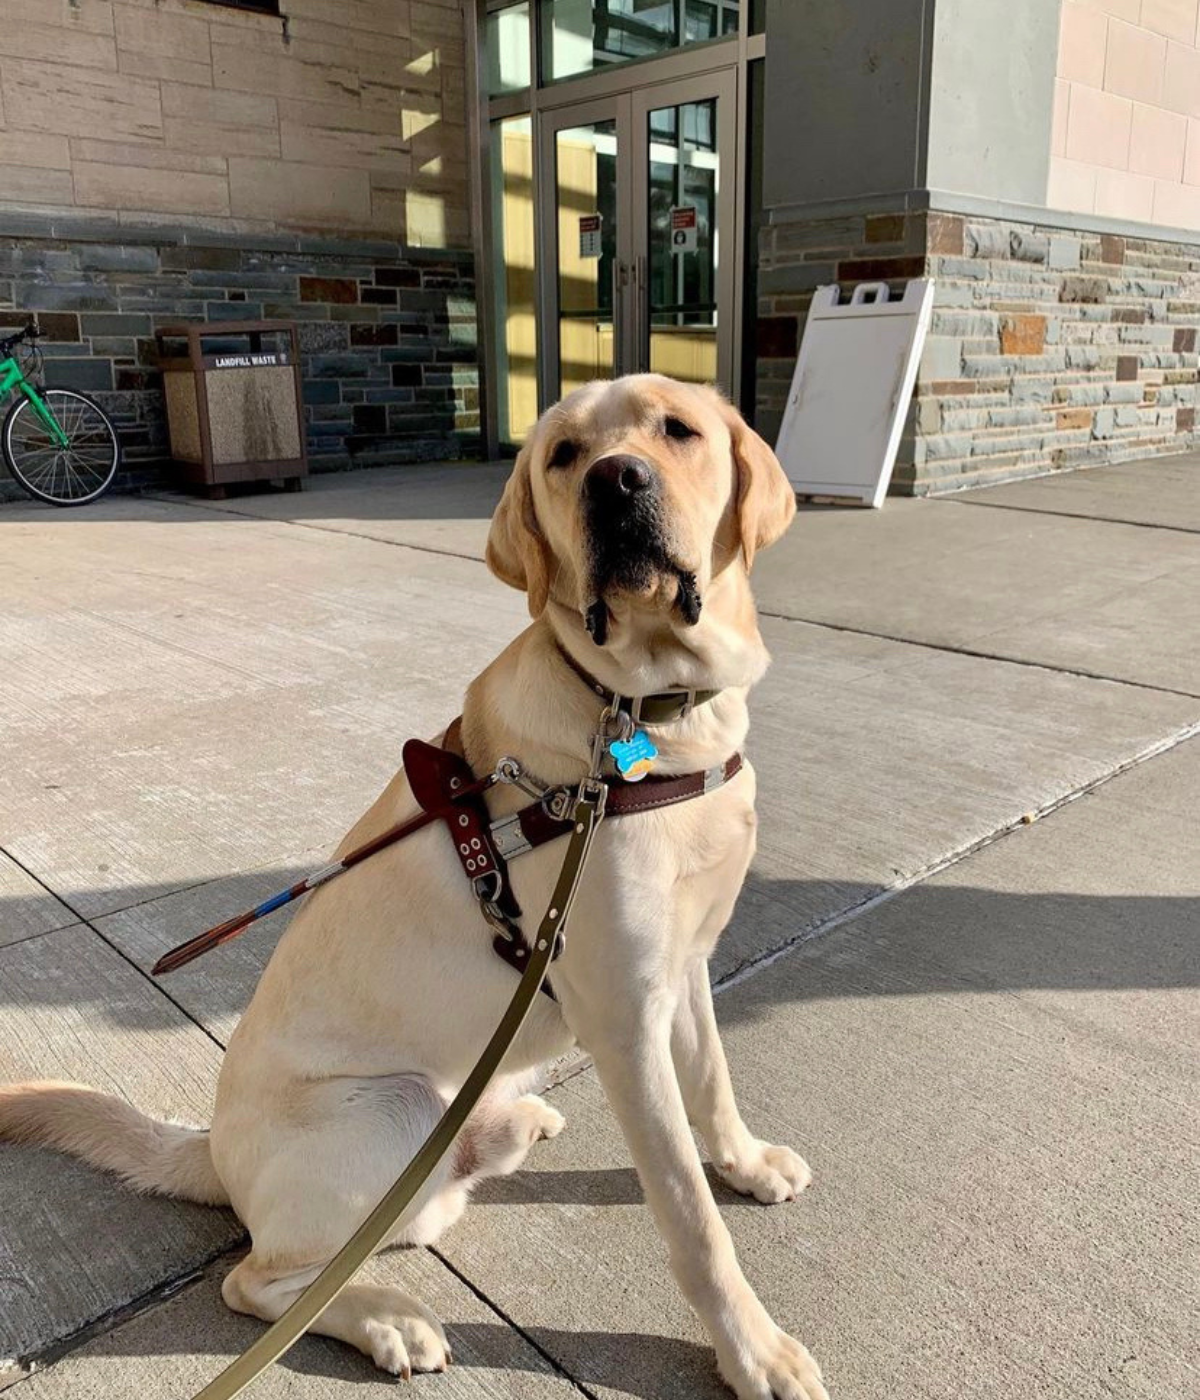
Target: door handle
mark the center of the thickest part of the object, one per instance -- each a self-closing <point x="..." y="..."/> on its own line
<point x="641" y="313"/>
<point x="616" y="321"/>
<point x="620" y="281"/>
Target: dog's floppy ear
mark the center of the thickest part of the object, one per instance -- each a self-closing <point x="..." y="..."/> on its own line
<point x="516" y="551"/>
<point x="766" y="499"/>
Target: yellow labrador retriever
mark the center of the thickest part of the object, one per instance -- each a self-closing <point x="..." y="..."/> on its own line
<point x="631" y="520"/>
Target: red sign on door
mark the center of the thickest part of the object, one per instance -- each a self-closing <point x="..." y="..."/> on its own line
<point x="589" y="235"/>
<point x="685" y="227"/>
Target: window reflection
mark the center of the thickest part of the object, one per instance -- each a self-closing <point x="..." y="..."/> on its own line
<point x="507" y="50"/>
<point x="513" y="226"/>
<point x="579" y="36"/>
<point x="684" y="177"/>
<point x="586" y="176"/>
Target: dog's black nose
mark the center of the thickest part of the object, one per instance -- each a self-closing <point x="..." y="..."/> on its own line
<point x="618" y="476"/>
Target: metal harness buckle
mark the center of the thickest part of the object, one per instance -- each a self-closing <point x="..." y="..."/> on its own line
<point x="558" y="803"/>
<point x="509" y="838"/>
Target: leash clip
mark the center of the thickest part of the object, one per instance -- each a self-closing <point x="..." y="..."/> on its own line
<point x="510" y="771"/>
<point x="593" y="793"/>
<point x="615" y="723"/>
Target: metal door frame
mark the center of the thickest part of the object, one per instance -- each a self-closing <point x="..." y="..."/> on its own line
<point x="630" y="110"/>
<point x="618" y="110"/>
<point x="736" y="52"/>
<point x="721" y="85"/>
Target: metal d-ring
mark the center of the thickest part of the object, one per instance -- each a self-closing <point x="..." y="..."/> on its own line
<point x="557" y="803"/>
<point x="488" y="893"/>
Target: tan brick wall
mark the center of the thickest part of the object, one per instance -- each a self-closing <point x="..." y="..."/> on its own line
<point x="350" y="119"/>
<point x="1126" y="134"/>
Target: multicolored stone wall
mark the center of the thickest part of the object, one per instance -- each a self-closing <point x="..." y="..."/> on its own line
<point x="797" y="258"/>
<point x="1049" y="348"/>
<point x="387" y="333"/>
<point x="1052" y="349"/>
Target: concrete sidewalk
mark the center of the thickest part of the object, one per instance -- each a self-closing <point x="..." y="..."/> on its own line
<point x="982" y="1033"/>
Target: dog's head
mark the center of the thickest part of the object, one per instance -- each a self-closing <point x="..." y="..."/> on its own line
<point x="633" y="496"/>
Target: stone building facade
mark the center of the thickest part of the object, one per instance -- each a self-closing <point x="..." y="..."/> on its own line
<point x="1049" y="348"/>
<point x="312" y="160"/>
<point x="168" y="160"/>
<point x="1047" y="139"/>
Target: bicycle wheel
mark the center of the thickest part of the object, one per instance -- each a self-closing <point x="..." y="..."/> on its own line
<point x="63" y="476"/>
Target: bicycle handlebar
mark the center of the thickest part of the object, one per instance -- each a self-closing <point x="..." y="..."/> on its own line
<point x="30" y="331"/>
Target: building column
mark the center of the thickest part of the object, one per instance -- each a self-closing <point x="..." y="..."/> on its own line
<point x="907" y="138"/>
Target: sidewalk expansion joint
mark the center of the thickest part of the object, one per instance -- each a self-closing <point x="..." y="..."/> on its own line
<point x="531" y="1341"/>
<point x="88" y="923"/>
<point x="118" y="909"/>
<point x="781" y="617"/>
<point x="320" y="529"/>
<point x="119" y="1316"/>
<point x="979" y="655"/>
<point x="41" y="933"/>
<point x="1075" y="515"/>
<point x="886" y="893"/>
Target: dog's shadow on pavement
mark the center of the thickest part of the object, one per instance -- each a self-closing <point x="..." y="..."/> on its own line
<point x="189" y="1329"/>
<point x="931" y="938"/>
<point x="600" y="1186"/>
<point x="640" y="1365"/>
<point x="945" y="939"/>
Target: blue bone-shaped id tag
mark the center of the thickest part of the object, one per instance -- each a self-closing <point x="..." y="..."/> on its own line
<point x="634" y="757"/>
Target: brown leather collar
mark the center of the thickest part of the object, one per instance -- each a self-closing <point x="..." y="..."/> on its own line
<point x="541" y="824"/>
<point x="661" y="708"/>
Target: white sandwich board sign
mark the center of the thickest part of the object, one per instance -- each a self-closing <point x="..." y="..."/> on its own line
<point x="850" y="391"/>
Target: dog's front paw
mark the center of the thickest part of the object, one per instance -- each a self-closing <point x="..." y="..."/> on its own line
<point x="406" y="1340"/>
<point x="769" y="1174"/>
<point x="771" y="1367"/>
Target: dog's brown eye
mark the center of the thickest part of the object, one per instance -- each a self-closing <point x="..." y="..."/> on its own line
<point x="676" y="428"/>
<point x="564" y="454"/>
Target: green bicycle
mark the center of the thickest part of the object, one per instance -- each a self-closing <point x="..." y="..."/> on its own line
<point x="60" y="445"/>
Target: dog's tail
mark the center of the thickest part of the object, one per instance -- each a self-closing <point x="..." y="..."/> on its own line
<point x="163" y="1158"/>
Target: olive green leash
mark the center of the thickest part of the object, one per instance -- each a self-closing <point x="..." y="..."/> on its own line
<point x="586" y="816"/>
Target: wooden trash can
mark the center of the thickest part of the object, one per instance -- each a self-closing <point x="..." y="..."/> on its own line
<point x="234" y="407"/>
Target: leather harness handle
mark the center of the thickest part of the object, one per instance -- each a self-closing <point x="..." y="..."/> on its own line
<point x="449" y="803"/>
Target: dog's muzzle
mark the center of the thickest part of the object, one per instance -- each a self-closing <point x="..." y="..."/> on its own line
<point x="623" y="511"/>
<point x="623" y="517"/>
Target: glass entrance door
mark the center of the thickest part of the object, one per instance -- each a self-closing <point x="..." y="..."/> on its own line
<point x="637" y="200"/>
<point x="684" y="231"/>
<point x="591" y="199"/>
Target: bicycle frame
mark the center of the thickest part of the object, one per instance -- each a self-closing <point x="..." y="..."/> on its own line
<point x="13" y="377"/>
